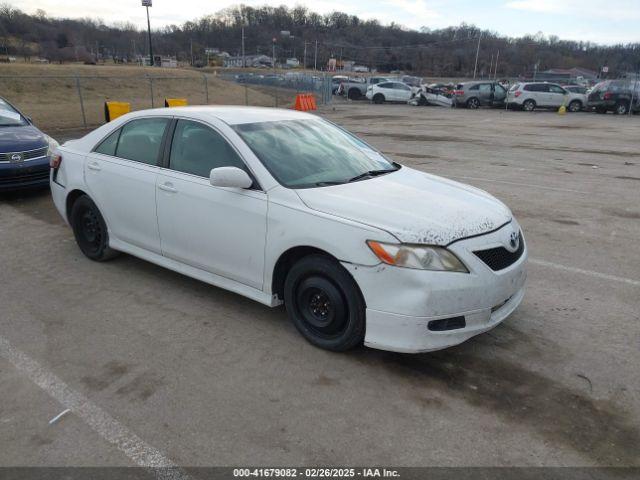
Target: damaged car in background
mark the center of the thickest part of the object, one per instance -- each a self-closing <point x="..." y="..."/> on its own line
<point x="431" y="95"/>
<point x="284" y="207"/>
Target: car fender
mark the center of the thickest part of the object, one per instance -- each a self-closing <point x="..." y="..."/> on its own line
<point x="292" y="224"/>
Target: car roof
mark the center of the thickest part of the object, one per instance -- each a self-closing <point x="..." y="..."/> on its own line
<point x="231" y="115"/>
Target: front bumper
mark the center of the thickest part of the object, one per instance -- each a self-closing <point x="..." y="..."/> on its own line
<point x="401" y="302"/>
<point x="31" y="173"/>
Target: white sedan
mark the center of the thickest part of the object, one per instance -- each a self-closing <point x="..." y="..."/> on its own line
<point x="284" y="207"/>
<point x="389" y="92"/>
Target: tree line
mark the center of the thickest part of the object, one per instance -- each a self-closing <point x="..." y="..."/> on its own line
<point x="312" y="38"/>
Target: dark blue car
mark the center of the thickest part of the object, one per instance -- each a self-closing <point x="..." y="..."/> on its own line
<point x="24" y="151"/>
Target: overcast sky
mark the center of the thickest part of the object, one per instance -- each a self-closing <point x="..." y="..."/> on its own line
<point x="594" y="20"/>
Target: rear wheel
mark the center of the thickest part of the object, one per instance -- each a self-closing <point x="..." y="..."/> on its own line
<point x="529" y="105"/>
<point x="575" y="106"/>
<point x="324" y="303"/>
<point x="473" y="103"/>
<point x="90" y="230"/>
<point x="378" y="98"/>
<point x="621" y="108"/>
<point x="354" y="94"/>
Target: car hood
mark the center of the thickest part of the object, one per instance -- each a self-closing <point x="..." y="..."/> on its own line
<point x="413" y="206"/>
<point x="21" y="138"/>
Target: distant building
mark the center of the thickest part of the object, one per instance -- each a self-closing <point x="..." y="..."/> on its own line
<point x="158" y="61"/>
<point x="255" y="61"/>
<point x="293" y="62"/>
<point x="567" y="75"/>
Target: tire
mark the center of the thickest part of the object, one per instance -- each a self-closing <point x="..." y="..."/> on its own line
<point x="473" y="103"/>
<point x="354" y="94"/>
<point x="621" y="108"/>
<point x="90" y="230"/>
<point x="422" y="101"/>
<point x="324" y="303"/>
<point x="378" y="98"/>
<point x="529" y="105"/>
<point x="575" y="106"/>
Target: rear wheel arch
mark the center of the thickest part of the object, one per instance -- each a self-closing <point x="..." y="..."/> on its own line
<point x="71" y="199"/>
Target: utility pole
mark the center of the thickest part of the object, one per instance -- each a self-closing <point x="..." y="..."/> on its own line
<point x="273" y="55"/>
<point x="315" y="58"/>
<point x="191" y="50"/>
<point x="495" y="75"/>
<point x="304" y="58"/>
<point x="147" y="4"/>
<point x="475" y="68"/>
<point x="244" y="63"/>
<point x="491" y="66"/>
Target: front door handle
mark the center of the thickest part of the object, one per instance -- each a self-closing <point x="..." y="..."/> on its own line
<point x="94" y="166"/>
<point x="168" y="187"/>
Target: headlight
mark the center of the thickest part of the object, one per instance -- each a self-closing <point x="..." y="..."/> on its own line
<point x="53" y="144"/>
<point x="417" y="256"/>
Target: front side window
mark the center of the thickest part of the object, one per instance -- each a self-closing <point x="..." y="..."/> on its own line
<point x="309" y="153"/>
<point x="385" y="85"/>
<point x="141" y="140"/>
<point x="485" y="88"/>
<point x="197" y="149"/>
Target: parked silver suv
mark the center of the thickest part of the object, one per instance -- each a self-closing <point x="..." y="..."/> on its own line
<point x="479" y="93"/>
<point x="530" y="96"/>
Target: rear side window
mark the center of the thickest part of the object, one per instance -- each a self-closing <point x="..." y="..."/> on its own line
<point x="474" y="87"/>
<point x="197" y="149"/>
<point x="109" y="144"/>
<point x="556" y="89"/>
<point x="385" y="85"/>
<point x="537" y="87"/>
<point x="141" y="140"/>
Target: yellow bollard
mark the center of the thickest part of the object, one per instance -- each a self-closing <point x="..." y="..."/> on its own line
<point x="562" y="110"/>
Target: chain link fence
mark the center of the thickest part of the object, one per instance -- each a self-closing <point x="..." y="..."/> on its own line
<point x="56" y="102"/>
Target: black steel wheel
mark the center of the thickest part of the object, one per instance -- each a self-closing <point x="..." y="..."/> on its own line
<point x="324" y="303"/>
<point x="90" y="229"/>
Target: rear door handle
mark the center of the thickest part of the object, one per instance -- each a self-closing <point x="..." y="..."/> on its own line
<point x="168" y="187"/>
<point x="94" y="166"/>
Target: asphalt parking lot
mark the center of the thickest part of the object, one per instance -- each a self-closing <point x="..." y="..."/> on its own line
<point x="155" y="365"/>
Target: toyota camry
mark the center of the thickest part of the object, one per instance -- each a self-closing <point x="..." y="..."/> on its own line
<point x="285" y="207"/>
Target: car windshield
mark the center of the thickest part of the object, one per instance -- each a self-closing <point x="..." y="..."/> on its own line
<point x="9" y="117"/>
<point x="312" y="153"/>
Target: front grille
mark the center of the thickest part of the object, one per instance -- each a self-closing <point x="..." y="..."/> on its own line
<point x="25" y="177"/>
<point x="28" y="155"/>
<point x="499" y="258"/>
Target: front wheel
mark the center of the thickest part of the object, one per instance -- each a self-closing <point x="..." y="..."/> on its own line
<point x="325" y="304"/>
<point x="90" y="230"/>
<point x="473" y="103"/>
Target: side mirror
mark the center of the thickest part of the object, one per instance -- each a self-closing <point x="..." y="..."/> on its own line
<point x="230" y="177"/>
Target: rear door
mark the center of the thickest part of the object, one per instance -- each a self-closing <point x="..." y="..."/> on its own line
<point x="220" y="230"/>
<point x="485" y="94"/>
<point x="121" y="178"/>
<point x="499" y="94"/>
<point x="557" y="95"/>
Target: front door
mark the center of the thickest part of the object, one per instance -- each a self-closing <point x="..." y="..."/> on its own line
<point x="221" y="230"/>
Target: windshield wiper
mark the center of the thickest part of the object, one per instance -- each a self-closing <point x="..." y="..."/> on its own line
<point x="371" y="173"/>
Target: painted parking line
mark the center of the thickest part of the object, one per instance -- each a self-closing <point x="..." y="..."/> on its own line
<point x="604" y="276"/>
<point x="136" y="449"/>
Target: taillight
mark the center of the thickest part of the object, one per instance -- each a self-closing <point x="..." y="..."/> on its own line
<point x="458" y="93"/>
<point x="607" y="96"/>
<point x="55" y="161"/>
<point x="517" y="93"/>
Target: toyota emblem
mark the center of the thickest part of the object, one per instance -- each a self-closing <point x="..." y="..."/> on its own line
<point x="514" y="241"/>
